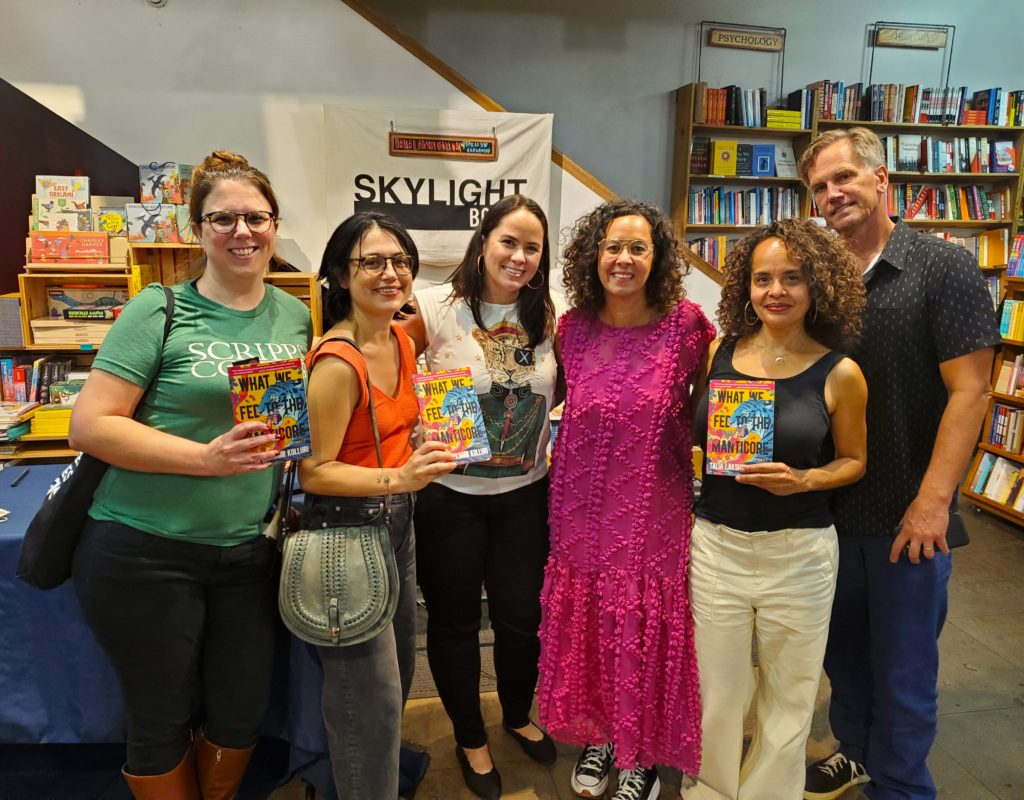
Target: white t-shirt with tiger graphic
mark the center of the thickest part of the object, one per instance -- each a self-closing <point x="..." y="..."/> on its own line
<point x="513" y="383"/>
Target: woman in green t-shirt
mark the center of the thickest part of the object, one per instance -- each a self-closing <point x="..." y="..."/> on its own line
<point x="172" y="575"/>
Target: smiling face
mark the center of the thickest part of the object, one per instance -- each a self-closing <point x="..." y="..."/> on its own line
<point x="512" y="253"/>
<point x="241" y="253"/>
<point x="624" y="276"/>
<point x="381" y="294"/>
<point x="779" y="293"/>
<point x="848" y="194"/>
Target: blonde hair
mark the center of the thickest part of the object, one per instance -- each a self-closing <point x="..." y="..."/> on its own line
<point x="863" y="142"/>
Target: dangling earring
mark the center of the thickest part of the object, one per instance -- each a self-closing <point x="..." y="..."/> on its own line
<point x="529" y="283"/>
<point x="751" y="308"/>
<point x="480" y="264"/>
<point x="814" y="312"/>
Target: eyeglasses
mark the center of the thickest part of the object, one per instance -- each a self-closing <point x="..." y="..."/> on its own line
<point x="375" y="265"/>
<point x="227" y="221"/>
<point x="636" y="248"/>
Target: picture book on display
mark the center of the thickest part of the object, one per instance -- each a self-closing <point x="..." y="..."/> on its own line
<point x="273" y="392"/>
<point x="741" y="425"/>
<point x="450" y="413"/>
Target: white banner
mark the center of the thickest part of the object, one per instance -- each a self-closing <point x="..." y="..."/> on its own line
<point x="449" y="166"/>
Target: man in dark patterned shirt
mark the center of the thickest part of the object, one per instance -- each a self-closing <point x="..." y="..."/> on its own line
<point x="926" y="351"/>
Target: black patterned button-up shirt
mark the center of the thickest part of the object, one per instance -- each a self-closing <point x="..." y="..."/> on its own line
<point x="927" y="303"/>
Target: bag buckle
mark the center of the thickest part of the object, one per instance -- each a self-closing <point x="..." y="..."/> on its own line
<point x="334" y="619"/>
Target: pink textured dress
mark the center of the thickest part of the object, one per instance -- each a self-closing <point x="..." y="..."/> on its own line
<point x="617" y="661"/>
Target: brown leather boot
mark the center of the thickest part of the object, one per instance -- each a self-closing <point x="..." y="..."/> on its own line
<point x="178" y="784"/>
<point x="220" y="769"/>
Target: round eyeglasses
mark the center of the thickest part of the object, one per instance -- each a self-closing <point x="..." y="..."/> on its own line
<point x="375" y="265"/>
<point x="636" y="248"/>
<point x="227" y="221"/>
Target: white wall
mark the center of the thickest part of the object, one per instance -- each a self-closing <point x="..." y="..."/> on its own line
<point x="247" y="75"/>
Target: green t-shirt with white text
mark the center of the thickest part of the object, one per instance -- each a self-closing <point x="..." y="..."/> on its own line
<point x="191" y="397"/>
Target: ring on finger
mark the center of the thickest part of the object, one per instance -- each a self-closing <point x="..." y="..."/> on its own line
<point x="926" y="547"/>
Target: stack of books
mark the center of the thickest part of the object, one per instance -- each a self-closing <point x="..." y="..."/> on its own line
<point x="52" y="420"/>
<point x="784" y="119"/>
<point x="15" y="422"/>
<point x="56" y="332"/>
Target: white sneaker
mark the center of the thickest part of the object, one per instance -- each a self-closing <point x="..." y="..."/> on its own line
<point x="638" y="783"/>
<point x="590" y="775"/>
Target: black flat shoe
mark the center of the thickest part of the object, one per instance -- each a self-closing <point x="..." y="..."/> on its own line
<point x="543" y="752"/>
<point x="486" y="786"/>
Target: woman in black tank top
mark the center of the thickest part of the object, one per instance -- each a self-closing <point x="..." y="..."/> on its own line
<point x="764" y="551"/>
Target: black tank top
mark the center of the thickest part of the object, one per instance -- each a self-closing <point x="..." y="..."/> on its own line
<point x="803" y="439"/>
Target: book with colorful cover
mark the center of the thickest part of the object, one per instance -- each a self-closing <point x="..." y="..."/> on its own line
<point x="450" y="413"/>
<point x="273" y="392"/>
<point x="112" y="220"/>
<point x="87" y="247"/>
<point x="62" y="192"/>
<point x="741" y="425"/>
<point x="152" y="222"/>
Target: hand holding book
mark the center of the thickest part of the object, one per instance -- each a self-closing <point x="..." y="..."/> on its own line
<point x="247" y="447"/>
<point x="777" y="478"/>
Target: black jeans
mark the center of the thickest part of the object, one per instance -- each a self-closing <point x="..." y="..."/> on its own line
<point x="366" y="685"/>
<point x="499" y="541"/>
<point x="189" y="629"/>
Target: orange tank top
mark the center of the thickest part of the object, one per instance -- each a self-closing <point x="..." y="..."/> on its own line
<point x="396" y="416"/>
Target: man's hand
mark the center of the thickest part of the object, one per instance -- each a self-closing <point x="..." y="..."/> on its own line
<point x="922" y="531"/>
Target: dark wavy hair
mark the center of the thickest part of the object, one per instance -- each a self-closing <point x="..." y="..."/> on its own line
<point x="335" y="268"/>
<point x="664" y="287"/>
<point x="536" y="311"/>
<point x="833" y="278"/>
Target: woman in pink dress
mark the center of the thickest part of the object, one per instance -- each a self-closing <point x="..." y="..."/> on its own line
<point x="617" y="669"/>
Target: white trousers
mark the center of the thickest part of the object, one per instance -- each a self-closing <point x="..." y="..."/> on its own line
<point x="777" y="586"/>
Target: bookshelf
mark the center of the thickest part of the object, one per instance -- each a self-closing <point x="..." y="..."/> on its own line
<point x="693" y="192"/>
<point x="993" y="486"/>
<point x="1006" y="188"/>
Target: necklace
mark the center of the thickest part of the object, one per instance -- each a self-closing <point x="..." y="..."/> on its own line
<point x="779" y="357"/>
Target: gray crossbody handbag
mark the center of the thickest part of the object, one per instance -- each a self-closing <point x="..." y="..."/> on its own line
<point x="339" y="585"/>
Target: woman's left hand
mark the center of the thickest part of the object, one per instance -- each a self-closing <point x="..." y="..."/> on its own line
<point x="774" y="477"/>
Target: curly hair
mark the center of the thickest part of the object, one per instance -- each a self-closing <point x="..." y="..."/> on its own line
<point x="833" y="280"/>
<point x="664" y="287"/>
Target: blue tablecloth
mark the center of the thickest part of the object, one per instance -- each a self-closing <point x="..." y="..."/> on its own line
<point x="57" y="686"/>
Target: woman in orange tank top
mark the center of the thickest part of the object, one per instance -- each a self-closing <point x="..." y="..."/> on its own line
<point x="368" y="266"/>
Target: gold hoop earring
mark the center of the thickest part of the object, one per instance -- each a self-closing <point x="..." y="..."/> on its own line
<point x="529" y="283"/>
<point x="480" y="264"/>
<point x="751" y="308"/>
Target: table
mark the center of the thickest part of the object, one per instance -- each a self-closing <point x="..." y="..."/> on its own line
<point x="57" y="687"/>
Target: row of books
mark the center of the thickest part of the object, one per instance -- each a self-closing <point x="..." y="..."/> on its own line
<point x="990" y="248"/>
<point x="24" y="379"/>
<point x="730" y="105"/>
<point x="15" y="422"/>
<point x="948" y="202"/>
<point x="1006" y="430"/>
<point x="758" y="206"/>
<point x="896" y="102"/>
<point x="1014" y="267"/>
<point x="1011" y="321"/>
<point x="1000" y="480"/>
<point x="713" y="249"/>
<point x="728" y="157"/>
<point x="1010" y="378"/>
<point x="914" y="153"/>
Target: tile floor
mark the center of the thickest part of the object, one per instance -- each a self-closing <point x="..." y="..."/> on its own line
<point x="979" y="752"/>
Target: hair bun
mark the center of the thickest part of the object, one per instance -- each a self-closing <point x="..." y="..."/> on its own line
<point x="220" y="159"/>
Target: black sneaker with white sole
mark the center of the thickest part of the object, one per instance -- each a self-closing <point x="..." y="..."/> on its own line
<point x="638" y="783"/>
<point x="829" y="778"/>
<point x="590" y="775"/>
